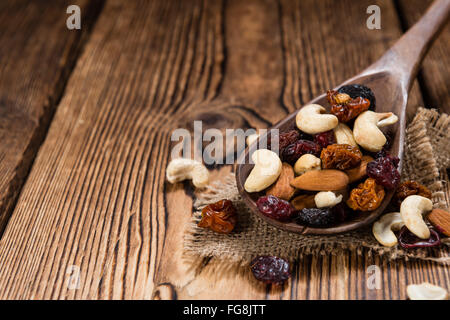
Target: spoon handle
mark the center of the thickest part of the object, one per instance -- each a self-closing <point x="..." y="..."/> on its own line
<point x="404" y="58"/>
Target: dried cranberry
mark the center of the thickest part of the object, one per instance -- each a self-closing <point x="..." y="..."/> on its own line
<point x="270" y="269"/>
<point x="324" y="139"/>
<point x="384" y="171"/>
<point x="275" y="208"/>
<point x="294" y="151"/>
<point x="359" y="90"/>
<point x="408" y="240"/>
<point x="317" y="217"/>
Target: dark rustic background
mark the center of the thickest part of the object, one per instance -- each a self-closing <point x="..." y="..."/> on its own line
<point x="86" y="116"/>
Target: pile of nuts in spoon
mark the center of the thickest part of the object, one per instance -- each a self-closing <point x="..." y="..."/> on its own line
<point x="329" y="168"/>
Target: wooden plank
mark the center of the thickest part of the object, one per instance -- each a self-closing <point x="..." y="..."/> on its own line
<point x="37" y="53"/>
<point x="96" y="197"/>
<point x="434" y="77"/>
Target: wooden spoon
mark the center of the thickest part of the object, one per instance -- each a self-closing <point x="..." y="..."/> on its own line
<point x="390" y="78"/>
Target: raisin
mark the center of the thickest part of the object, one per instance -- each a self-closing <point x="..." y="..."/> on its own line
<point x="408" y="240"/>
<point x="275" y="208"/>
<point x="324" y="139"/>
<point x="367" y="196"/>
<point x="270" y="269"/>
<point x="359" y="90"/>
<point x="346" y="109"/>
<point x="294" y="151"/>
<point x="409" y="188"/>
<point x="317" y="217"/>
<point x="220" y="216"/>
<point x="384" y="171"/>
<point x="288" y="138"/>
<point x="340" y="156"/>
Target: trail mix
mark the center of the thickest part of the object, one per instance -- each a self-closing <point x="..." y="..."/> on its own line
<point x="336" y="165"/>
<point x="331" y="168"/>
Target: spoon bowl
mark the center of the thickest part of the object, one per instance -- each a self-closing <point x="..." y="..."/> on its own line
<point x="390" y="79"/>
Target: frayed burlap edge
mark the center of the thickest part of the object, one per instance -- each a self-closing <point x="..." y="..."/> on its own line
<point x="253" y="236"/>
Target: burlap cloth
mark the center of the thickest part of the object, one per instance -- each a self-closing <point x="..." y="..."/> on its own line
<point x="427" y="155"/>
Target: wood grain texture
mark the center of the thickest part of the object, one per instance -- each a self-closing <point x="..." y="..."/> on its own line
<point x="37" y="53"/>
<point x="96" y="196"/>
<point x="434" y="80"/>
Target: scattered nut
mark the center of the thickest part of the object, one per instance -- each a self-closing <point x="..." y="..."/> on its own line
<point x="426" y="291"/>
<point x="266" y="171"/>
<point x="412" y="210"/>
<point x="344" y="135"/>
<point x="311" y="119"/>
<point x="366" y="129"/>
<point x="282" y="188"/>
<point x="440" y="219"/>
<point x="181" y="169"/>
<point x="384" y="227"/>
<point x="321" y="180"/>
<point x="303" y="201"/>
<point x="252" y="138"/>
<point x="327" y="199"/>
<point x="305" y="163"/>
<point x="359" y="172"/>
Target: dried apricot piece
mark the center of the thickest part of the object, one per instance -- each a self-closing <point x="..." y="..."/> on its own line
<point x="409" y="188"/>
<point x="340" y="156"/>
<point x="367" y="196"/>
<point x="220" y="216"/>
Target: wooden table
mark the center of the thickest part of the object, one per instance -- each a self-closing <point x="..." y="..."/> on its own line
<point x="85" y="123"/>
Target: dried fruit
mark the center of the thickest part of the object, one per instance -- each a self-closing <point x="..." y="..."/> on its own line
<point x="282" y="187"/>
<point x="220" y="216"/>
<point x="287" y="138"/>
<point x="321" y="217"/>
<point x="294" y="151"/>
<point x="384" y="171"/>
<point x="409" y="188"/>
<point x="275" y="208"/>
<point x="321" y="180"/>
<point x="359" y="172"/>
<point x="340" y="156"/>
<point x="324" y="139"/>
<point x="408" y="240"/>
<point x="303" y="201"/>
<point x="367" y="196"/>
<point x="270" y="269"/>
<point x="359" y="90"/>
<point x="349" y="109"/>
<point x="440" y="219"/>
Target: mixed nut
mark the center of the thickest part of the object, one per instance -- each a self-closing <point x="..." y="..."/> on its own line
<point x="321" y="172"/>
<point x="331" y="167"/>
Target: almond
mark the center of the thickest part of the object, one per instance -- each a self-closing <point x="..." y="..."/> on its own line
<point x="440" y="219"/>
<point x="303" y="201"/>
<point x="359" y="172"/>
<point x="282" y="187"/>
<point x="321" y="180"/>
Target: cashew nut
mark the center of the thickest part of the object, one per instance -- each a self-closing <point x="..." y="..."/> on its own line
<point x="252" y="138"/>
<point x="181" y="169"/>
<point x="426" y="291"/>
<point x="266" y="171"/>
<point x="344" y="135"/>
<point x="411" y="210"/>
<point x="327" y="199"/>
<point x="384" y="227"/>
<point x="366" y="129"/>
<point x="311" y="119"/>
<point x="307" y="162"/>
